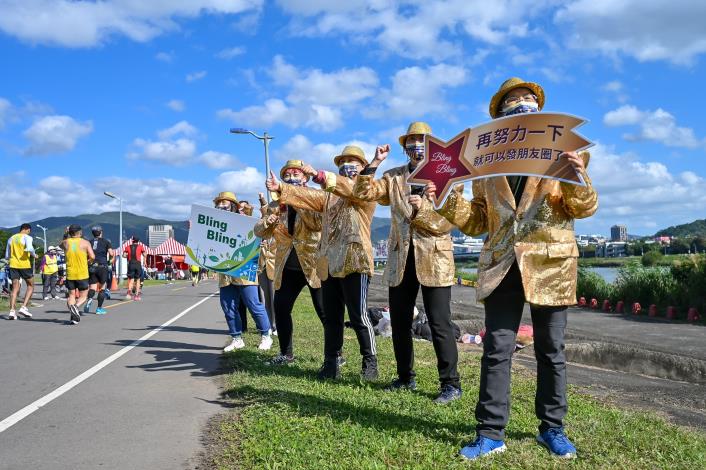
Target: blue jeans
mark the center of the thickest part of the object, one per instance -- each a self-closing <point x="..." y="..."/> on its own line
<point x="230" y="298"/>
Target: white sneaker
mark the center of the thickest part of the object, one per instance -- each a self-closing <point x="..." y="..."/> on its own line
<point x="274" y="333"/>
<point x="265" y="343"/>
<point x="237" y="343"/>
<point x="47" y="298"/>
<point x="24" y="312"/>
<point x="12" y="315"/>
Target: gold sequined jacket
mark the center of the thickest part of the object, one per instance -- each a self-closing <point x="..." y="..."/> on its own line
<point x="345" y="246"/>
<point x="538" y="233"/>
<point x="304" y="241"/>
<point x="266" y="261"/>
<point x="428" y="231"/>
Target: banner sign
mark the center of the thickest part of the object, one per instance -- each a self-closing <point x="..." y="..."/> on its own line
<point x="223" y="242"/>
<point x="525" y="144"/>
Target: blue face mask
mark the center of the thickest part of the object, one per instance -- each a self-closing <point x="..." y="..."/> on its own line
<point x="521" y="108"/>
<point x="293" y="181"/>
<point x="415" y="152"/>
<point x="348" y="170"/>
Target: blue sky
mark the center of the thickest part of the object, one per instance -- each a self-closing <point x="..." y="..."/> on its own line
<point x="137" y="97"/>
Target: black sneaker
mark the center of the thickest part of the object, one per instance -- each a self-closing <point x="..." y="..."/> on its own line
<point x="448" y="394"/>
<point x="281" y="360"/>
<point x="75" y="315"/>
<point x="399" y="384"/>
<point x="370" y="369"/>
<point x="329" y="370"/>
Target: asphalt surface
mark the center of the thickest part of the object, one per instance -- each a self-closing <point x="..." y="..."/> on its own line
<point x="147" y="409"/>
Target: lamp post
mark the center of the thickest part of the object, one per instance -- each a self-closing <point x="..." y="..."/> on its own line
<point x="266" y="140"/>
<point x="44" y="229"/>
<point x="120" y="236"/>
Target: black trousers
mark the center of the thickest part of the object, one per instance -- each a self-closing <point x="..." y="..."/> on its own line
<point x="503" y="312"/>
<point x="293" y="281"/>
<point x="437" y="304"/>
<point x="350" y="292"/>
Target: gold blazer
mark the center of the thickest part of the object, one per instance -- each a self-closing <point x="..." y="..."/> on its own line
<point x="429" y="232"/>
<point x="305" y="241"/>
<point x="266" y="261"/>
<point x="224" y="280"/>
<point x="345" y="246"/>
<point x="538" y="233"/>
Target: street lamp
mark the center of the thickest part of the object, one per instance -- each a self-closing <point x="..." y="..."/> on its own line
<point x="44" y="229"/>
<point x="120" y="236"/>
<point x="266" y="140"/>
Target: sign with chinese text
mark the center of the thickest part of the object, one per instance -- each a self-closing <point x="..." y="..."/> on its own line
<point x="525" y="144"/>
<point x="223" y="242"/>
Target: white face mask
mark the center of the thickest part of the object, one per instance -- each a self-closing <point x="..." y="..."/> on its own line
<point x="415" y="152"/>
<point x="348" y="169"/>
<point x="520" y="107"/>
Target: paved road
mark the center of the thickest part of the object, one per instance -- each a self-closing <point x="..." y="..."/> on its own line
<point x="147" y="409"/>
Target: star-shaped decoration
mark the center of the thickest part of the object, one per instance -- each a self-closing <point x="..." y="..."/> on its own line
<point x="443" y="165"/>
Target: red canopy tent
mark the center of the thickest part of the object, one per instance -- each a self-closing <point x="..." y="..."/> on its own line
<point x="174" y="249"/>
<point x="119" y="251"/>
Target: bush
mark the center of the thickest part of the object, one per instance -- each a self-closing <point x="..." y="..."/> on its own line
<point x="651" y="258"/>
<point x="690" y="277"/>
<point x="591" y="285"/>
<point x="645" y="285"/>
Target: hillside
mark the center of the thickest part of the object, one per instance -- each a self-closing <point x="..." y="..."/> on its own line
<point x="692" y="229"/>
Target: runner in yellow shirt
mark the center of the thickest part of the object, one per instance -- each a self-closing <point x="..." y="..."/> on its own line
<point x="78" y="253"/>
<point x="20" y="252"/>
<point x="195" y="274"/>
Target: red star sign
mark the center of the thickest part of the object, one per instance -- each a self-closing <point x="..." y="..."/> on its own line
<point x="443" y="165"/>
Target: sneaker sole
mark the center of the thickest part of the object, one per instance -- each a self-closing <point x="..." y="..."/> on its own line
<point x="499" y="450"/>
<point x="541" y="442"/>
<point x="24" y="315"/>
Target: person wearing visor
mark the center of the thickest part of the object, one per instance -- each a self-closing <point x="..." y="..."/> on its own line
<point x="345" y="255"/>
<point x="530" y="256"/>
<point x="50" y="268"/>
<point x="296" y="234"/>
<point x="234" y="289"/>
<point x="420" y="253"/>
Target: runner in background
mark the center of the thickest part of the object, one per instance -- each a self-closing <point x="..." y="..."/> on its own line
<point x="98" y="271"/>
<point x="195" y="274"/>
<point x="78" y="253"/>
<point x="135" y="254"/>
<point x="19" y="251"/>
<point x="169" y="269"/>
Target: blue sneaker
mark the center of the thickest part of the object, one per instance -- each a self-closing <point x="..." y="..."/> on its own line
<point x="101" y="311"/>
<point x="448" y="394"/>
<point x="87" y="306"/>
<point x="107" y="293"/>
<point x="558" y="444"/>
<point x="482" y="446"/>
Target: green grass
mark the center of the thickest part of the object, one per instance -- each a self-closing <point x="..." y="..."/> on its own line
<point x="284" y="418"/>
<point x="619" y="262"/>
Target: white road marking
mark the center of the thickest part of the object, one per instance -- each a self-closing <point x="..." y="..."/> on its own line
<point x="18" y="416"/>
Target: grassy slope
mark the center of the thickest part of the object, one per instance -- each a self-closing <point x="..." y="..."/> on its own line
<point x="287" y="419"/>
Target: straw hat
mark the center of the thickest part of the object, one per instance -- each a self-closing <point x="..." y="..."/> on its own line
<point x="416" y="128"/>
<point x="298" y="164"/>
<point x="351" y="151"/>
<point x="225" y="196"/>
<point x="509" y="85"/>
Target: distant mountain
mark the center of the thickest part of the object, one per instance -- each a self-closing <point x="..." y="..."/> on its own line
<point x="132" y="225"/>
<point x="692" y="229"/>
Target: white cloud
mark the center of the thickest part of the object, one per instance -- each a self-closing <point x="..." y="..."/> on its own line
<point x="192" y="77"/>
<point x="245" y="183"/>
<point x="659" y="126"/>
<point x="167" y="57"/>
<point x="218" y="160"/>
<point x="176" y="152"/>
<point x="641" y="193"/>
<point x="71" y="23"/>
<point x="614" y="86"/>
<point x="671" y="30"/>
<point x="275" y="111"/>
<point x="55" y="134"/>
<point x="180" y="128"/>
<point x="176" y="105"/>
<point x="418" y="91"/>
<point x="229" y="53"/>
<point x="415" y="29"/>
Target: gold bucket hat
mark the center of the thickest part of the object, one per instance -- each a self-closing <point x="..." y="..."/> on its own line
<point x="416" y="128"/>
<point x="351" y="151"/>
<point x="298" y="164"/>
<point x="509" y="85"/>
<point x="225" y="196"/>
